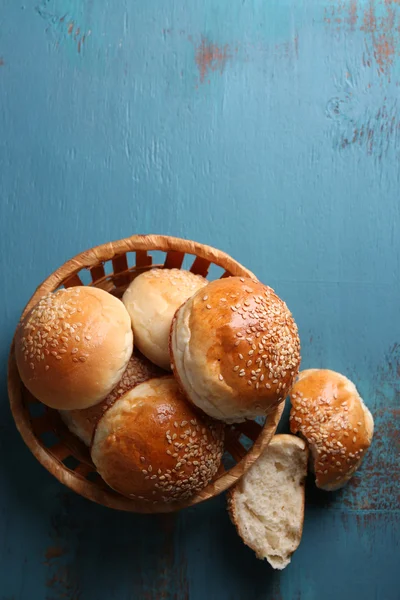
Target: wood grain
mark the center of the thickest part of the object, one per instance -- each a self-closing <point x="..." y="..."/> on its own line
<point x="269" y="130"/>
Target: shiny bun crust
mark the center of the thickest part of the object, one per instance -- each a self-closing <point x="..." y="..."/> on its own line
<point x="329" y="413"/>
<point x="151" y="300"/>
<point x="153" y="446"/>
<point x="73" y="347"/>
<point x="83" y="422"/>
<point x="235" y="349"/>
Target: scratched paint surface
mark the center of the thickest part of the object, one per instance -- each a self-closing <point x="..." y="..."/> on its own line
<point x="268" y="129"/>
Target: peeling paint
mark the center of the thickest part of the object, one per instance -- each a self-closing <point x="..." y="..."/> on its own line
<point x="65" y="22"/>
<point x="379" y="20"/>
<point x="371" y="488"/>
<point x="360" y="124"/>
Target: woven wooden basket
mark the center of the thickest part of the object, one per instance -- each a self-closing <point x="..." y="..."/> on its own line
<point x="109" y="267"/>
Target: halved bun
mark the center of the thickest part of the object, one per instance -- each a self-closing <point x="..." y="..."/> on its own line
<point x="267" y="505"/>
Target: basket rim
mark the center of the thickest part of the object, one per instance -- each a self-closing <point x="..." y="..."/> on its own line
<point x="75" y="481"/>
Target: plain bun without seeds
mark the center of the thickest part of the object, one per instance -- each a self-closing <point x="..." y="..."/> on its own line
<point x="154" y="446"/>
<point x="235" y="349"/>
<point x="82" y="422"/>
<point x="329" y="413"/>
<point x="73" y="347"/>
<point x="152" y="300"/>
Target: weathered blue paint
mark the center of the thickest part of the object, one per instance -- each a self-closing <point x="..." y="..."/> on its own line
<point x="268" y="129"/>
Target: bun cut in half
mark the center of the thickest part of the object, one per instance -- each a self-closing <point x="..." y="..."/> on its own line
<point x="235" y="349"/>
<point x="73" y="347"/>
<point x="330" y="414"/>
<point x="82" y="422"/>
<point x="153" y="446"/>
<point x="267" y="505"/>
<point x="151" y="300"/>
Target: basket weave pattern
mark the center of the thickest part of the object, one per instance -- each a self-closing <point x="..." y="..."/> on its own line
<point x="59" y="451"/>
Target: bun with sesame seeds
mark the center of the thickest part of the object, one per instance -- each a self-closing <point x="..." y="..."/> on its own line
<point x="153" y="446"/>
<point x="73" y="347"/>
<point x="82" y="422"/>
<point x="235" y="349"/>
<point x="151" y="300"/>
<point x="329" y="413"/>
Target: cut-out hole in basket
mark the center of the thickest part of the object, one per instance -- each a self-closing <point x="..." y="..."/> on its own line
<point x="85" y="277"/>
<point x="49" y="439"/>
<point x="215" y="272"/>
<point x="228" y="461"/>
<point x="36" y="409"/>
<point x="71" y="462"/>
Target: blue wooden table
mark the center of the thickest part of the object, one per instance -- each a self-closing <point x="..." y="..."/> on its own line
<point x="270" y="129"/>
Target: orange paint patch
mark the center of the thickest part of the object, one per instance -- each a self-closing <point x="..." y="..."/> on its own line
<point x="54" y="552"/>
<point x="379" y="20"/>
<point x="210" y="57"/>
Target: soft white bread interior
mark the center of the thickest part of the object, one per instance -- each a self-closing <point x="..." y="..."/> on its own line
<point x="73" y="347"/>
<point x="267" y="505"/>
<point x="330" y="414"/>
<point x="151" y="300"/>
<point x="235" y="349"/>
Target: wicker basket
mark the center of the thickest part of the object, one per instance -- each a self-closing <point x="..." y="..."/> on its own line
<point x="42" y="429"/>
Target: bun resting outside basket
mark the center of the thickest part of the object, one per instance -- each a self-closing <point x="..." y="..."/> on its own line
<point x="152" y="300"/>
<point x="154" y="446"/>
<point x="72" y="347"/>
<point x="82" y="422"/>
<point x="329" y="413"/>
<point x="235" y="349"/>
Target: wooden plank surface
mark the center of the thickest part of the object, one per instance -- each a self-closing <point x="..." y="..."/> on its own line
<point x="270" y="130"/>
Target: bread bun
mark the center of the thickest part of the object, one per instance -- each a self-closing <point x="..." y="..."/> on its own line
<point x="83" y="422"/>
<point x="73" y="347"/>
<point x="329" y="413"/>
<point x="151" y="300"/>
<point x="235" y="349"/>
<point x="154" y="446"/>
<point x="267" y="505"/>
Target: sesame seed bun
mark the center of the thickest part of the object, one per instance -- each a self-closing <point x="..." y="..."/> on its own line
<point x="235" y="349"/>
<point x="154" y="446"/>
<point x="82" y="422"/>
<point x="151" y="300"/>
<point x="329" y="413"/>
<point x="73" y="347"/>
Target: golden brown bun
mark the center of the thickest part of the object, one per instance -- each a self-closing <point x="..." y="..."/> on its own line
<point x="154" y="446"/>
<point x="73" y="347"/>
<point x="235" y="349"/>
<point x="329" y="413"/>
<point x="83" y="422"/>
<point x="151" y="300"/>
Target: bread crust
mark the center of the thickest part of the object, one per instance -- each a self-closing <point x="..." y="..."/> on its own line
<point x="235" y="349"/>
<point x="83" y="422"/>
<point x="151" y="300"/>
<point x="73" y="347"/>
<point x="329" y="413"/>
<point x="154" y="446"/>
<point x="232" y="493"/>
